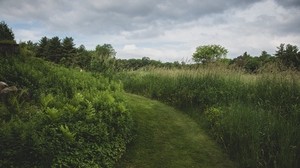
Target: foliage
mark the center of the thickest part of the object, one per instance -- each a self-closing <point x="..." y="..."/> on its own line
<point x="68" y="52"/>
<point x="54" y="52"/>
<point x="289" y="55"/>
<point x="103" y="58"/>
<point x="254" y="117"/>
<point x="28" y="48"/>
<point x="209" y="53"/>
<point x="252" y="64"/>
<point x="6" y="33"/>
<point x="66" y="118"/>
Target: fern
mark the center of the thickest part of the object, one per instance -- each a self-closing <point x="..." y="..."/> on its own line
<point x="90" y="110"/>
<point x="53" y="113"/>
<point x="67" y="133"/>
<point x="45" y="100"/>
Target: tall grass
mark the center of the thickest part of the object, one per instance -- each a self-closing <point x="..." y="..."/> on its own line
<point x="256" y="118"/>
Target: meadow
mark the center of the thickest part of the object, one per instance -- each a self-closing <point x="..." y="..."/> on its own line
<point x="67" y="107"/>
<point x="254" y="117"/>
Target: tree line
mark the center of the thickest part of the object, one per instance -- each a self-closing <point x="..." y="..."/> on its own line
<point x="103" y="57"/>
<point x="285" y="57"/>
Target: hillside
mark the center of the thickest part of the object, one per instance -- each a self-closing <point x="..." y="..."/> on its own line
<point x="60" y="117"/>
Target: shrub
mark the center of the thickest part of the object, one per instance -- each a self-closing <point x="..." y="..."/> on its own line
<point x="67" y="118"/>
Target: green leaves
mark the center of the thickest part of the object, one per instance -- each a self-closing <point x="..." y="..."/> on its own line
<point x="46" y="99"/>
<point x="209" y="53"/>
<point x="6" y="34"/>
<point x="289" y="55"/>
<point x="53" y="113"/>
<point x="67" y="133"/>
<point x="71" y="118"/>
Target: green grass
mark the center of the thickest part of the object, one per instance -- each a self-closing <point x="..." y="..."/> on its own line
<point x="254" y="117"/>
<point x="166" y="137"/>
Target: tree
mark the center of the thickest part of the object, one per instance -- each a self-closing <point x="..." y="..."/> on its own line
<point x="209" y="53"/>
<point x="68" y="51"/>
<point x="28" y="48"/>
<point x="83" y="58"/>
<point x="42" y="49"/>
<point x="145" y="61"/>
<point x="6" y="34"/>
<point x="54" y="50"/>
<point x="103" y="59"/>
<point x="289" y="55"/>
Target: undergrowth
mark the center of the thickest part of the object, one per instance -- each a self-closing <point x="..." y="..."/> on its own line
<point x="60" y="117"/>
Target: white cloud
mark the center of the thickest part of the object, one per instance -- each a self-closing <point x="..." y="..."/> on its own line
<point x="162" y="54"/>
<point x="129" y="47"/>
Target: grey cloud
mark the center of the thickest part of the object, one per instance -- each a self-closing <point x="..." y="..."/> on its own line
<point x="271" y="24"/>
<point x="113" y="16"/>
<point x="289" y="3"/>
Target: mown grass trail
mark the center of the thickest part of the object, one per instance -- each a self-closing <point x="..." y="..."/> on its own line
<point x="166" y="137"/>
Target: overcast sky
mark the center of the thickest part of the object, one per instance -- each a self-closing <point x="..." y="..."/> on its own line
<point x="166" y="30"/>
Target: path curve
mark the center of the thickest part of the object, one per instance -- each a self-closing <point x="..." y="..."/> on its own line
<point x="166" y="137"/>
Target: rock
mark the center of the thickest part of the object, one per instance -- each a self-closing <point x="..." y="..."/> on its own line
<point x="9" y="89"/>
<point x="2" y="85"/>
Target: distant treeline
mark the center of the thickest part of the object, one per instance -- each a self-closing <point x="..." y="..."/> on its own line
<point x="103" y="58"/>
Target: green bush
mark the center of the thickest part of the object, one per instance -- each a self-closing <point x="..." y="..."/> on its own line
<point x="66" y="118"/>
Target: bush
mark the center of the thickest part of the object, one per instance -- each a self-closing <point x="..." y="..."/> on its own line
<point x="67" y="118"/>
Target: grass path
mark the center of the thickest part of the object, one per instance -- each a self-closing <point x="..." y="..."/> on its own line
<point x="168" y="138"/>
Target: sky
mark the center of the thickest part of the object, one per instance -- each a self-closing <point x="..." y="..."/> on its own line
<point x="165" y="30"/>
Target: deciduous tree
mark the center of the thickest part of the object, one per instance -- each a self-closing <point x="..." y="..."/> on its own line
<point x="289" y="55"/>
<point x="209" y="53"/>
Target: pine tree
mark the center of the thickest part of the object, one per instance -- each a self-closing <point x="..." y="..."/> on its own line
<point x="68" y="52"/>
<point x="54" y="50"/>
<point x="6" y="33"/>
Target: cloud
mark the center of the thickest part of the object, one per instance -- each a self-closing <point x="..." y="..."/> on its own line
<point x="163" y="29"/>
<point x="289" y="3"/>
<point x="129" y="47"/>
<point x="163" y="54"/>
<point x="112" y="16"/>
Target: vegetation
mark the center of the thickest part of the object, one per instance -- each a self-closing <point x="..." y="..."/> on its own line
<point x="76" y="117"/>
<point x="6" y="34"/>
<point x="289" y="55"/>
<point x="60" y="117"/>
<point x="166" y="137"/>
<point x="209" y="53"/>
<point x="254" y="117"/>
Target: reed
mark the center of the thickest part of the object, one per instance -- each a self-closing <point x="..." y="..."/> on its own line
<point x="256" y="118"/>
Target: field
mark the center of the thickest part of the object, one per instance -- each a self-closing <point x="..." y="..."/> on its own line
<point x="255" y="118"/>
<point x="68" y="117"/>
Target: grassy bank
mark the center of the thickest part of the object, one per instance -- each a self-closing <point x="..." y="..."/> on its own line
<point x="60" y="117"/>
<point x="254" y="117"/>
